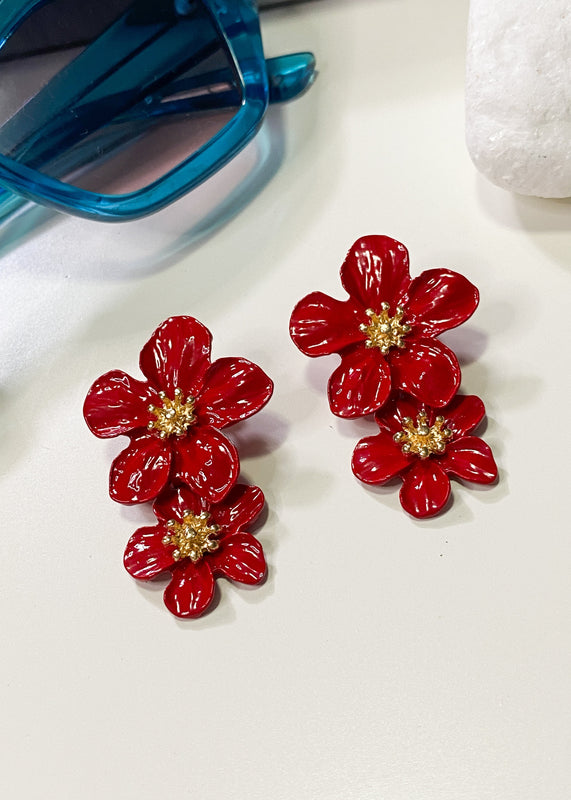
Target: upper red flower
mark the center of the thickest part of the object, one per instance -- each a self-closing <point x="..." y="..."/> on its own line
<point x="385" y="332"/>
<point x="174" y="417"/>
<point x="424" y="445"/>
<point x="196" y="541"/>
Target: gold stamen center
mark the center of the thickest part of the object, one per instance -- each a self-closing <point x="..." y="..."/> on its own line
<point x="423" y="440"/>
<point x="172" y="417"/>
<point x="384" y="331"/>
<point x="192" y="537"/>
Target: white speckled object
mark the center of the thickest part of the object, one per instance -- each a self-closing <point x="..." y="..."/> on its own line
<point x="518" y="94"/>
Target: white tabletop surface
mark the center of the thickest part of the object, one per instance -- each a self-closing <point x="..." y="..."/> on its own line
<point x="384" y="658"/>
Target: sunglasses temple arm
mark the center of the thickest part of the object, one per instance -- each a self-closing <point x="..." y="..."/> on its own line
<point x="288" y="77"/>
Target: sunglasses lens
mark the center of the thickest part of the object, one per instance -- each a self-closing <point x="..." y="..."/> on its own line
<point x="110" y="96"/>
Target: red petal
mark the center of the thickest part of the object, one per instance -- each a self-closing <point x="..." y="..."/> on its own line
<point x="321" y="325"/>
<point x="239" y="508"/>
<point x="174" y="501"/>
<point x="463" y="413"/>
<point x="116" y="404"/>
<point x="427" y="369"/>
<point x="234" y="389"/>
<point x="240" y="558"/>
<point x="360" y="384"/>
<point x="207" y="461"/>
<point x="425" y="489"/>
<point x="391" y="415"/>
<point x="177" y="355"/>
<point x="471" y="459"/>
<point x="140" y="472"/>
<point x="191" y="590"/>
<point x="146" y="556"/>
<point x="376" y="271"/>
<point x="377" y="459"/>
<point x="439" y="299"/>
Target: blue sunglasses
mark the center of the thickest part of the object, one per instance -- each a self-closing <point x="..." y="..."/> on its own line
<point x="112" y="110"/>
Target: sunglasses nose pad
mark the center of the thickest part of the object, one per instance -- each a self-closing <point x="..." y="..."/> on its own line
<point x="290" y="75"/>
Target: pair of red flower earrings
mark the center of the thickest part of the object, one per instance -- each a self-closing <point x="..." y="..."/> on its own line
<point x="391" y="365"/>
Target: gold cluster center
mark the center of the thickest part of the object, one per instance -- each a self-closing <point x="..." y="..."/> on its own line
<point x="422" y="439"/>
<point x="192" y="537"/>
<point x="384" y="331"/>
<point x="172" y="417"/>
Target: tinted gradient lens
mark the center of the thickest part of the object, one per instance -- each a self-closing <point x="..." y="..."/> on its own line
<point x="110" y="96"/>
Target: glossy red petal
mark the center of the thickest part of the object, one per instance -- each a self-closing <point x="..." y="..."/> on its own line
<point x="239" y="508"/>
<point x="426" y="369"/>
<point x="191" y="590"/>
<point x="117" y="404"/>
<point x="145" y="555"/>
<point x="389" y="418"/>
<point x="171" y="503"/>
<point x="321" y="325"/>
<point x="425" y="489"/>
<point x="471" y="459"/>
<point x="438" y="300"/>
<point x="377" y="459"/>
<point x="376" y="271"/>
<point x="234" y="389"/>
<point x="140" y="472"/>
<point x="207" y="461"/>
<point x="463" y="413"/>
<point x="360" y="384"/>
<point x="177" y="355"/>
<point x="240" y="558"/>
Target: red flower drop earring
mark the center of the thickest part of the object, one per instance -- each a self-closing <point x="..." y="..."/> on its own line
<point x="196" y="540"/>
<point x="393" y="365"/>
<point x="178" y="457"/>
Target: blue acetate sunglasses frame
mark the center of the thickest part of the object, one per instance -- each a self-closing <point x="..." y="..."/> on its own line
<point x="260" y="82"/>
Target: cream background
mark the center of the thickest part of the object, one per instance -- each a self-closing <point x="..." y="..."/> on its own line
<point x="384" y="659"/>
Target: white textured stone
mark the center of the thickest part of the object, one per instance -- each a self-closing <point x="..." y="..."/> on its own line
<point x="518" y="94"/>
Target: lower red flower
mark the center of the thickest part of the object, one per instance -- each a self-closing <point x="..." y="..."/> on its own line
<point x="424" y="446"/>
<point x="197" y="541"/>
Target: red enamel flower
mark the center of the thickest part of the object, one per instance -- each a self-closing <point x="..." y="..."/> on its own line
<point x="424" y="446"/>
<point x="385" y="332"/>
<point x="173" y="418"/>
<point x="196" y="541"/>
